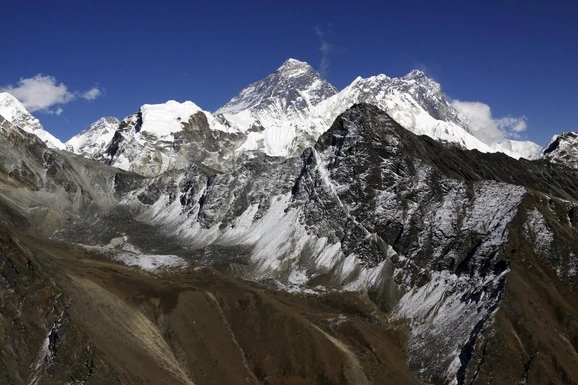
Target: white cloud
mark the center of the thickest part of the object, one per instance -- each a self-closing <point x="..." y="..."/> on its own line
<point x="42" y="92"/>
<point x="486" y="127"/>
<point x="92" y="94"/>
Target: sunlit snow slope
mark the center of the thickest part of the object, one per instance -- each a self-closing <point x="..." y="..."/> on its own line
<point x="15" y="112"/>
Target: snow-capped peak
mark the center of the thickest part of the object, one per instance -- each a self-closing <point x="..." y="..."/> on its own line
<point x="280" y="104"/>
<point x="94" y="139"/>
<point x="293" y="67"/>
<point x="415" y="74"/>
<point x="166" y="118"/>
<point x="563" y="149"/>
<point x="105" y="120"/>
<point x="150" y="141"/>
<point x="419" y="104"/>
<point x="408" y="103"/>
<point x="15" y="112"/>
<point x="293" y="88"/>
<point x="429" y="95"/>
<point x="293" y="63"/>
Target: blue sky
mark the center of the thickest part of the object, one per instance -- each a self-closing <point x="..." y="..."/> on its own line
<point x="520" y="59"/>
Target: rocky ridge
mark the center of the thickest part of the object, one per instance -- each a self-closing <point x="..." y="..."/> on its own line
<point x="562" y="149"/>
<point x="13" y="111"/>
<point x="435" y="240"/>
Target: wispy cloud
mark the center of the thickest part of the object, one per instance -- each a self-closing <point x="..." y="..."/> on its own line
<point x="486" y="127"/>
<point x="325" y="48"/>
<point x="92" y="94"/>
<point x="43" y="92"/>
<point x="422" y="67"/>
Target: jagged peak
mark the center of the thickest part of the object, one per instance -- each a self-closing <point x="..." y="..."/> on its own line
<point x="421" y="79"/>
<point x="562" y="149"/>
<point x="291" y="64"/>
<point x="361" y="109"/>
<point x="415" y="74"/>
<point x="15" y="112"/>
<point x="378" y="78"/>
<point x="287" y="84"/>
<point x="293" y="68"/>
<point x="556" y="140"/>
<point x="361" y="81"/>
<point x="107" y="119"/>
<point x="99" y="124"/>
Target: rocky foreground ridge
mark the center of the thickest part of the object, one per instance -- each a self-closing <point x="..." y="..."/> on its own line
<point x="373" y="256"/>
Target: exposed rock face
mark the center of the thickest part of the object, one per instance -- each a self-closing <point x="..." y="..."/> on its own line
<point x="419" y="105"/>
<point x="563" y="149"/>
<point x="388" y="236"/>
<point x="164" y="137"/>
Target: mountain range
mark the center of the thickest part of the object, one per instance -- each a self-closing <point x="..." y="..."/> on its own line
<point x="282" y="115"/>
<point x="297" y="235"/>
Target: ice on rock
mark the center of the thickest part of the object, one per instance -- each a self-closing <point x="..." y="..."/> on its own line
<point x="563" y="149"/>
<point x="12" y="110"/>
<point x="420" y="107"/>
<point x="95" y="139"/>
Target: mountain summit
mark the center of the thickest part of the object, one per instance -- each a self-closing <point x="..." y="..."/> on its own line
<point x="563" y="149"/>
<point x="278" y="108"/>
<point x="95" y="138"/>
<point x="13" y="111"/>
<point x="287" y="93"/>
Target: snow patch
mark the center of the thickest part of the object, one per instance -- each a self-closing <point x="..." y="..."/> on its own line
<point x="164" y="119"/>
<point x="537" y="230"/>
<point x="151" y="263"/>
